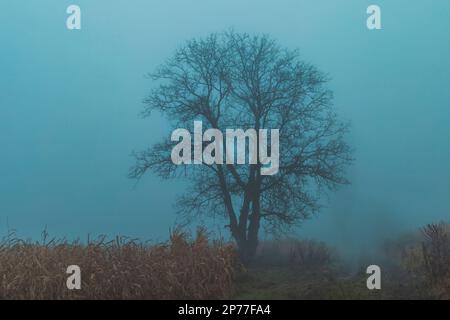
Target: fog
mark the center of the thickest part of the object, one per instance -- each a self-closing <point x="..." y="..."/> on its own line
<point x="70" y="103"/>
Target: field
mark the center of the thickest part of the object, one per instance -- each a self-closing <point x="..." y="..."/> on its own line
<point x="414" y="266"/>
<point x="417" y="266"/>
<point x="118" y="269"/>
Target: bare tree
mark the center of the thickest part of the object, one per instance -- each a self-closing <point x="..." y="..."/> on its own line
<point x="239" y="80"/>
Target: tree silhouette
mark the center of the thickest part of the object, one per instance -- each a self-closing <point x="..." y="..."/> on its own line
<point x="235" y="80"/>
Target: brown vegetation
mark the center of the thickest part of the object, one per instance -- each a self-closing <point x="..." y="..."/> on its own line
<point x="416" y="266"/>
<point x="422" y="259"/>
<point x="118" y="269"/>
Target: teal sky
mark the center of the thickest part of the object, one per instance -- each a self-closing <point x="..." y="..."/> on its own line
<point x="69" y="104"/>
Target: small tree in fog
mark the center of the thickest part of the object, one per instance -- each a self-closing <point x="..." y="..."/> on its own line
<point x="237" y="80"/>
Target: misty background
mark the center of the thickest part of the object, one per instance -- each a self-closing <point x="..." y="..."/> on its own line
<point x="70" y="103"/>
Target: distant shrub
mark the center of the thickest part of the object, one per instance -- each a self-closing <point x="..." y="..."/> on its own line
<point x="424" y="257"/>
<point x="436" y="257"/>
<point x="305" y="254"/>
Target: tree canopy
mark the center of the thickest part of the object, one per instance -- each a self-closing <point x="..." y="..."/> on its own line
<point x="238" y="80"/>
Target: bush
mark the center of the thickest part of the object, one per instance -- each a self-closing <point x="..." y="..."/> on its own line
<point x="436" y="258"/>
<point x="304" y="254"/>
<point x="423" y="259"/>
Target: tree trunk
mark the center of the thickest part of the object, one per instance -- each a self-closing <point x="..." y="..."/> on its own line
<point x="249" y="248"/>
<point x="247" y="239"/>
<point x="245" y="229"/>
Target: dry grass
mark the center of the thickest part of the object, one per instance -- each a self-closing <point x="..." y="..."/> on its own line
<point x="118" y="269"/>
<point x="414" y="265"/>
<point x="424" y="259"/>
<point x="436" y="258"/>
<point x="198" y="268"/>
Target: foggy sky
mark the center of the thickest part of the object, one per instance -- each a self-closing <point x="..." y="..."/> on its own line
<point x="69" y="105"/>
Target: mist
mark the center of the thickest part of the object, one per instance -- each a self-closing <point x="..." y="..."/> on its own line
<point x="70" y="104"/>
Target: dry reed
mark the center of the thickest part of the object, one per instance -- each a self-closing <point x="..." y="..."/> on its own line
<point x="122" y="268"/>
